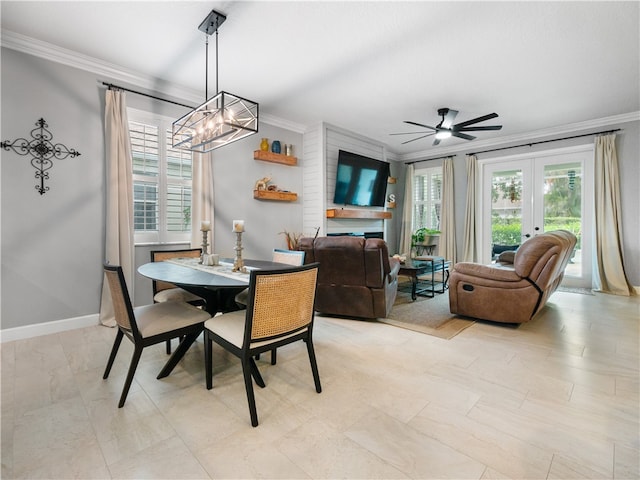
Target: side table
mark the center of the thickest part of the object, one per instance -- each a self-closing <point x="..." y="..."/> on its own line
<point x="426" y="265"/>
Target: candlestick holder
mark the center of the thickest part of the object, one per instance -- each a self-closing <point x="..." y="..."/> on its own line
<point x="205" y="244"/>
<point x="238" y="263"/>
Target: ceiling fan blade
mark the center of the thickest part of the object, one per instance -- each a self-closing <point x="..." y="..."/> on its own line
<point x="449" y="118"/>
<point x="419" y="125"/>
<point x="477" y="129"/>
<point x="462" y="135"/>
<point x="414" y="139"/>
<point x="475" y="120"/>
<point x="406" y="133"/>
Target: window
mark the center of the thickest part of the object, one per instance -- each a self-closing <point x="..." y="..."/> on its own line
<point x="427" y="198"/>
<point x="161" y="181"/>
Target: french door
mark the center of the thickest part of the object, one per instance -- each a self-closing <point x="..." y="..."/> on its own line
<point x="525" y="195"/>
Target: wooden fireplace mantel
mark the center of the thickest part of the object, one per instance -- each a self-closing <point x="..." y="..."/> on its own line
<point x="356" y="213"/>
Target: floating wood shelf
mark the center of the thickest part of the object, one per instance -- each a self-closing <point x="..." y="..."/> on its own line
<point x="277" y="196"/>
<point x="353" y="213"/>
<point x="275" y="157"/>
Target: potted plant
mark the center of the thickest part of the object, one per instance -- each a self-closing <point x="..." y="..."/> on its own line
<point x="425" y="236"/>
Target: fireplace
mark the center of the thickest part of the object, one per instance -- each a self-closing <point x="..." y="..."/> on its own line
<point x="358" y="234"/>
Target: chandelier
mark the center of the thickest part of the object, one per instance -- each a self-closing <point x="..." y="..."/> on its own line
<point x="221" y="119"/>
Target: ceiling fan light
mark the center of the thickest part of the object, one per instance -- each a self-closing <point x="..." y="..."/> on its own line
<point x="442" y="134"/>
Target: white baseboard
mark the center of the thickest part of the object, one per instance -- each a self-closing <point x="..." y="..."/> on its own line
<point x="38" y="329"/>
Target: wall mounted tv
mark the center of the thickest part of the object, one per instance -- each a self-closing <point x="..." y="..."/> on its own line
<point x="360" y="181"/>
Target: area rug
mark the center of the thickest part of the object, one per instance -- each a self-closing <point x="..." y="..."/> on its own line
<point x="426" y="315"/>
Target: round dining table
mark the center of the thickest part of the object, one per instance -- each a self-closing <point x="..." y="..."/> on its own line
<point x="218" y="290"/>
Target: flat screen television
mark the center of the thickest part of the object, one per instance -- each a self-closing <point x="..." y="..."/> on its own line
<point x="360" y="181"/>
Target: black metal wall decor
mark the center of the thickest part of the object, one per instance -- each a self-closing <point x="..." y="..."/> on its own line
<point x="43" y="151"/>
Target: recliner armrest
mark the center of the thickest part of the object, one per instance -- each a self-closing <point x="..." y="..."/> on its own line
<point x="394" y="267"/>
<point x="506" y="257"/>
<point x="487" y="271"/>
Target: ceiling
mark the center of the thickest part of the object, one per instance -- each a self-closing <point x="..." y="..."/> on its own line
<point x="368" y="66"/>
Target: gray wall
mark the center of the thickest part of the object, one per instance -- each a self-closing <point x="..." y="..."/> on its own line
<point x="53" y="245"/>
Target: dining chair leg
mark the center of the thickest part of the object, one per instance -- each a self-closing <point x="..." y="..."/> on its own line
<point x="314" y="365"/>
<point x="256" y="373"/>
<point x="114" y="351"/>
<point x="248" y="385"/>
<point x="208" y="359"/>
<point x="273" y="356"/>
<point x="168" y="347"/>
<point x="137" y="353"/>
<point x="178" y="353"/>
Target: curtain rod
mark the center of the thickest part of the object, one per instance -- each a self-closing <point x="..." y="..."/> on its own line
<point x="111" y="85"/>
<point x="545" y="141"/>
<point x="429" y="159"/>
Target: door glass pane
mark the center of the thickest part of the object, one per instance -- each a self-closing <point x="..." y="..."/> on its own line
<point x="506" y="211"/>
<point x="563" y="206"/>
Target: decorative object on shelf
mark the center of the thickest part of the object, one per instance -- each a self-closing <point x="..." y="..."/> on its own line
<point x="221" y="119"/>
<point x="262" y="183"/>
<point x="43" y="151"/>
<point x="391" y="200"/>
<point x="263" y="190"/>
<point x="264" y="145"/>
<point x="205" y="227"/>
<point x="392" y="180"/>
<point x="276" y="147"/>
<point x="238" y="263"/>
<point x="288" y="150"/>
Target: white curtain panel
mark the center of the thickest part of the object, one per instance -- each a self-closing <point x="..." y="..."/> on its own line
<point x="407" y="214"/>
<point x="447" y="247"/>
<point x="470" y="250"/>
<point x="202" y="198"/>
<point x="119" y="246"/>
<point x="611" y="277"/>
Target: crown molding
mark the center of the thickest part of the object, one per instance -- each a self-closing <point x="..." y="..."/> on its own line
<point x="524" y="138"/>
<point x="115" y="73"/>
<point x="282" y="123"/>
<point x="111" y="72"/>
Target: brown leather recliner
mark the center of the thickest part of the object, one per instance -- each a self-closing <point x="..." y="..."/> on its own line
<point x="357" y="278"/>
<point x="512" y="293"/>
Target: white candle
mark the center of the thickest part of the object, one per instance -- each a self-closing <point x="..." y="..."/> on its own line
<point x="205" y="226"/>
<point x="238" y="225"/>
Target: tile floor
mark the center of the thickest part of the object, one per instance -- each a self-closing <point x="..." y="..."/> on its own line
<point x="555" y="398"/>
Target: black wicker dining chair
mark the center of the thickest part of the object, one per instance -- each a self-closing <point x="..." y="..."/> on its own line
<point x="148" y="325"/>
<point x="279" y="312"/>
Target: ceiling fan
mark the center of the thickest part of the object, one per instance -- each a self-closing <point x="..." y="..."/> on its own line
<point x="446" y="128"/>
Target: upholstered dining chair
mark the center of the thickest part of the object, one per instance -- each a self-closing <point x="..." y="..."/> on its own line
<point x="148" y="325"/>
<point x="279" y="312"/>
<point x="290" y="257"/>
<point x="168" y="292"/>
